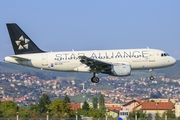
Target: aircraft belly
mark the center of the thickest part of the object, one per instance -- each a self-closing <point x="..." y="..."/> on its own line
<point x="66" y="66"/>
<point x="71" y="67"/>
<point x="35" y="62"/>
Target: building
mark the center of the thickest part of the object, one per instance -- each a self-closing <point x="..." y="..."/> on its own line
<point x="155" y="107"/>
<point x="131" y="105"/>
<point x="177" y="109"/>
<point x="163" y="100"/>
<point x="75" y="106"/>
<point x="113" y="106"/>
<point x="123" y="114"/>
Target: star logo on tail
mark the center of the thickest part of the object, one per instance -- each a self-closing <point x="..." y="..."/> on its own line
<point x="22" y="43"/>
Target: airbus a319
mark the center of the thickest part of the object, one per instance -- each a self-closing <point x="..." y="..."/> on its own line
<point x="118" y="62"/>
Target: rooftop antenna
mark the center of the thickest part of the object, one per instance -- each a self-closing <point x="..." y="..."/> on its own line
<point x="147" y="47"/>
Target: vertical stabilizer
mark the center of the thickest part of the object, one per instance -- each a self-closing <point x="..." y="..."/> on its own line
<point x="21" y="43"/>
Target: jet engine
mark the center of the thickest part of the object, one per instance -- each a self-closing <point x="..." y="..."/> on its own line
<point x="120" y="69"/>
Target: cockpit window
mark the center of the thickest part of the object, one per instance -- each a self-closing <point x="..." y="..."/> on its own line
<point x="164" y="54"/>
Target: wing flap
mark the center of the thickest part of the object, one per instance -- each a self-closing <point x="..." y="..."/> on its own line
<point x="94" y="64"/>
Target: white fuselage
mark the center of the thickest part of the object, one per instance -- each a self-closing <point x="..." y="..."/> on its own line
<point x="69" y="61"/>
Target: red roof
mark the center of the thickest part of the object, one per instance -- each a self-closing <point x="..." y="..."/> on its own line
<point x="139" y="101"/>
<point x="157" y="106"/>
<point x="74" y="106"/>
<point x="114" y="108"/>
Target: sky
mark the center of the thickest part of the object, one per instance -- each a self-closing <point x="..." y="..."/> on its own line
<point x="63" y="25"/>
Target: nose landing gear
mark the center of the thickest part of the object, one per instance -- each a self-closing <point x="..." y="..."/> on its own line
<point x="151" y="77"/>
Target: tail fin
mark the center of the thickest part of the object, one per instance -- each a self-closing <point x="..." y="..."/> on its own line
<point x="21" y="43"/>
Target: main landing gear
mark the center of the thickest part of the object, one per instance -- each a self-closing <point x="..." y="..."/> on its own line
<point x="151" y="77"/>
<point x="95" y="78"/>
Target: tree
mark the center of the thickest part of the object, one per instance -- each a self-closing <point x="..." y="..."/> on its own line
<point x="67" y="99"/>
<point x="149" y="116"/>
<point x="140" y="114"/>
<point x="59" y="108"/>
<point x="170" y="114"/>
<point x="157" y="116"/>
<point x="24" y="112"/>
<point x="101" y="101"/>
<point x="33" y="109"/>
<point x="85" y="106"/>
<point x="97" y="113"/>
<point x="8" y="108"/>
<point x="43" y="102"/>
<point x="95" y="102"/>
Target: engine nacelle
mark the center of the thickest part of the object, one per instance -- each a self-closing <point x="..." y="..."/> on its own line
<point x="121" y="69"/>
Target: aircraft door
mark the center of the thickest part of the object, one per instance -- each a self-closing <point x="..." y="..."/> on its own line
<point x="44" y="60"/>
<point x="151" y="56"/>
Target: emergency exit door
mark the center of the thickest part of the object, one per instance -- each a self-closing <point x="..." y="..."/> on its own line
<point x="44" y="60"/>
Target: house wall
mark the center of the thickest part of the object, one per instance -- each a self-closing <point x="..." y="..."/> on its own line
<point x="130" y="106"/>
<point x="177" y="109"/>
<point x="163" y="100"/>
<point x="160" y="112"/>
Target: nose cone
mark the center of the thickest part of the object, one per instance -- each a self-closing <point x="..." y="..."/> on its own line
<point x="172" y="61"/>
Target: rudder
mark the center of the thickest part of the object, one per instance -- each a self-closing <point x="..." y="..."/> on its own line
<point x="21" y="43"/>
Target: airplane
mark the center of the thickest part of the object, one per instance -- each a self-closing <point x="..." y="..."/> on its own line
<point x="118" y="62"/>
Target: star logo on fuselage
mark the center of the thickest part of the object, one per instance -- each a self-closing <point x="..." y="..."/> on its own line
<point x="22" y="43"/>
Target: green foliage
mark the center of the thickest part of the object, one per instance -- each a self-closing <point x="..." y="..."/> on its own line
<point x="34" y="108"/>
<point x="157" y="116"/>
<point x="24" y="112"/>
<point x="140" y="114"/>
<point x="101" y="101"/>
<point x="170" y="114"/>
<point x="43" y="102"/>
<point x="95" y="102"/>
<point x="95" y="113"/>
<point x="59" y="108"/>
<point x="8" y="109"/>
<point x="85" y="106"/>
<point x="67" y="99"/>
<point x="149" y="116"/>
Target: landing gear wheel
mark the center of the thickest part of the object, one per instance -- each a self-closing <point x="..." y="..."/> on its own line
<point x="151" y="77"/>
<point x="94" y="79"/>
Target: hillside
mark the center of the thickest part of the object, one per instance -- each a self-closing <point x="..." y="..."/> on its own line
<point x="8" y="68"/>
<point x="171" y="72"/>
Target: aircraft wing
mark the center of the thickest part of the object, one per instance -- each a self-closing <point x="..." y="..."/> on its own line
<point x="95" y="64"/>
